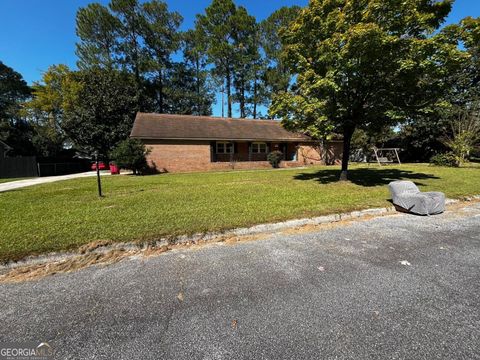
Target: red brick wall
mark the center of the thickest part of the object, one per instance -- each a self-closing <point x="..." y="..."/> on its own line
<point x="177" y="156"/>
<point x="185" y="156"/>
<point x="311" y="154"/>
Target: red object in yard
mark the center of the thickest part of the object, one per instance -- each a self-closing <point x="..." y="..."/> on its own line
<point x="114" y="169"/>
<point x="101" y="166"/>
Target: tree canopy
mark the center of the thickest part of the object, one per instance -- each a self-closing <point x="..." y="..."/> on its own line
<point x="141" y="38"/>
<point x="14" y="130"/>
<point x="364" y="64"/>
<point x="382" y="68"/>
<point x="103" y="110"/>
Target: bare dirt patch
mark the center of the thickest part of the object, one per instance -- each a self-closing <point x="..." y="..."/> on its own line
<point x="33" y="272"/>
<point x="332" y="225"/>
<point x="96" y="254"/>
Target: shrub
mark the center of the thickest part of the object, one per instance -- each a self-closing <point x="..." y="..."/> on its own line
<point x="131" y="154"/>
<point x="274" y="158"/>
<point x="446" y="159"/>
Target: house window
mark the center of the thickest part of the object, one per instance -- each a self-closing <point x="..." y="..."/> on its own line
<point x="224" y="147"/>
<point x="259" y="148"/>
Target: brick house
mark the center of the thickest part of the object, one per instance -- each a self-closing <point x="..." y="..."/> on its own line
<point x="181" y="143"/>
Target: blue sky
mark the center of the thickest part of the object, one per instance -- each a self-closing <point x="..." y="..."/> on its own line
<point x="35" y="34"/>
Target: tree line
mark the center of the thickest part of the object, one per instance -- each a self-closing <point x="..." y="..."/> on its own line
<point x="372" y="71"/>
<point x="132" y="56"/>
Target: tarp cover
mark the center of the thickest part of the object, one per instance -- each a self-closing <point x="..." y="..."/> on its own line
<point x="406" y="195"/>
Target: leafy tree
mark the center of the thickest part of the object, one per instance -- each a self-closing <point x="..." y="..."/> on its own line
<point x="186" y="93"/>
<point x="246" y="53"/>
<point x="419" y="137"/>
<point x="46" y="109"/>
<point x="424" y="135"/>
<point x="465" y="133"/>
<point x="465" y="81"/>
<point x="140" y="38"/>
<point x="131" y="46"/>
<point x="277" y="75"/>
<point x="216" y="33"/>
<point x="131" y="154"/>
<point x="159" y="30"/>
<point x="195" y="59"/>
<point x="13" y="130"/>
<point x="102" y="112"/>
<point x="97" y="29"/>
<point x="364" y="64"/>
<point x="258" y="88"/>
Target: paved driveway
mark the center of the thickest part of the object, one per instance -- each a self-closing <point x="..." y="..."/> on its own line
<point x="47" y="179"/>
<point x="397" y="287"/>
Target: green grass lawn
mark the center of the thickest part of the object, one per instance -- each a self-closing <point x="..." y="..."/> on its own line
<point x="67" y="214"/>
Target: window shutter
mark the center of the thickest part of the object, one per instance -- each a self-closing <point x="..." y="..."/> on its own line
<point x="235" y="148"/>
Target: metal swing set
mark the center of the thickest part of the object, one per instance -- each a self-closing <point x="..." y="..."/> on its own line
<point x="386" y="155"/>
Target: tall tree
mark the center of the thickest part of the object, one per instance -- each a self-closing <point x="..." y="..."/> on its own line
<point x="364" y="64"/>
<point x="131" y="46"/>
<point x="159" y="30"/>
<point x="245" y="50"/>
<point x="258" y="94"/>
<point x="186" y="93"/>
<point x="14" y="91"/>
<point x="97" y="29"/>
<point x="195" y="59"/>
<point x="277" y="76"/>
<point x="216" y="29"/>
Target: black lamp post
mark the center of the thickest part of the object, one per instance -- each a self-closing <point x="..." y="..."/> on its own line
<point x="99" y="183"/>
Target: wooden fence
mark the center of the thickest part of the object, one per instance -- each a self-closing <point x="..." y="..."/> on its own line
<point x="54" y="169"/>
<point x="20" y="166"/>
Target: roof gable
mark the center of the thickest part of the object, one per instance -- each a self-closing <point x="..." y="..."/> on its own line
<point x="192" y="127"/>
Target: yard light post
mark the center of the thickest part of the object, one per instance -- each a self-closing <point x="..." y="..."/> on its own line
<point x="99" y="183"/>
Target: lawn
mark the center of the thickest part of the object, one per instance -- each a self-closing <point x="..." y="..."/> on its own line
<point x="68" y="214"/>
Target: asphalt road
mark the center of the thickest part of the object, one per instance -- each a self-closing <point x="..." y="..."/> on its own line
<point x="342" y="293"/>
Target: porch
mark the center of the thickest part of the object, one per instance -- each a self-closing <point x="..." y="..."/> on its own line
<point x="255" y="151"/>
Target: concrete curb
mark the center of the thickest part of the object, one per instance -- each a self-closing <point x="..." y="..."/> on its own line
<point x="268" y="228"/>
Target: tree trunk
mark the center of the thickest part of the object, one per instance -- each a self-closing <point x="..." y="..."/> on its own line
<point x="160" y="92"/>
<point x="323" y="149"/>
<point x="197" y="88"/>
<point x="242" y="98"/>
<point x="229" y="95"/>
<point x="255" y="97"/>
<point x="347" y="138"/>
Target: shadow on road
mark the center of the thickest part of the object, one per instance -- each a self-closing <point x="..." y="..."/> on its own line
<point x="367" y="177"/>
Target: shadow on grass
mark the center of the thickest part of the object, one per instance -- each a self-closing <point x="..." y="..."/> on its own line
<point x="367" y="177"/>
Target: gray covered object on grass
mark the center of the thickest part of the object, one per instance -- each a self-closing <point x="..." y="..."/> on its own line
<point x="406" y="195"/>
